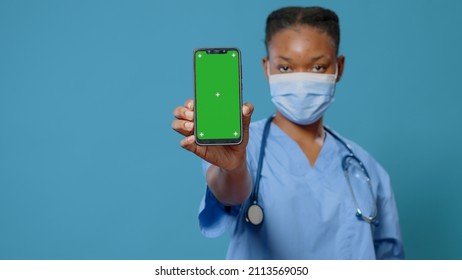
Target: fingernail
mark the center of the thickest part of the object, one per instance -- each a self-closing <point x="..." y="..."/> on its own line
<point x="188" y="125"/>
<point x="189" y="105"/>
<point x="245" y="110"/>
<point x="189" y="114"/>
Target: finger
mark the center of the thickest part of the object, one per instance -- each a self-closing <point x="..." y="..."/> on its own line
<point x="183" y="113"/>
<point x="183" y="127"/>
<point x="189" y="143"/>
<point x="189" y="104"/>
<point x="247" y="110"/>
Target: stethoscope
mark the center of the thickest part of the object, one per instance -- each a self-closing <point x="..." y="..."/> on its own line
<point x="254" y="213"/>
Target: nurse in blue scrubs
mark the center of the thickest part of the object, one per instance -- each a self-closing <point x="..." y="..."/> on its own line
<point x="317" y="195"/>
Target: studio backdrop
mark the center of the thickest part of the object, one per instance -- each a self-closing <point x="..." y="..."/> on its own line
<point x="91" y="169"/>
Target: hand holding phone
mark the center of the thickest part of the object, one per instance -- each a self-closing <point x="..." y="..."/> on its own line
<point x="225" y="156"/>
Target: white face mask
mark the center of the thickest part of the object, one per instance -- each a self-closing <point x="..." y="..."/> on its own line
<point x="302" y="97"/>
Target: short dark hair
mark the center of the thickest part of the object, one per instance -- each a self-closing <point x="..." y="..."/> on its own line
<point x="317" y="17"/>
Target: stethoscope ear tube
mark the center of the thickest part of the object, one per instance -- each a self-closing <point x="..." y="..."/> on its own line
<point x="254" y="213"/>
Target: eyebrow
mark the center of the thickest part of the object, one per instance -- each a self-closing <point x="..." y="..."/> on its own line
<point x="315" y="58"/>
<point x="285" y="58"/>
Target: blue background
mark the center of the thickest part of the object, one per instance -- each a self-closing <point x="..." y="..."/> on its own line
<point x="91" y="169"/>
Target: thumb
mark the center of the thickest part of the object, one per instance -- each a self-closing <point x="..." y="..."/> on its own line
<point x="247" y="110"/>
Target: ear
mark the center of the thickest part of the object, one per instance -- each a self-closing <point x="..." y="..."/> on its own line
<point x="341" y="66"/>
<point x="264" y="64"/>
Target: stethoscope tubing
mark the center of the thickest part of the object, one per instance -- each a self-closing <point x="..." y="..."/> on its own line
<point x="257" y="219"/>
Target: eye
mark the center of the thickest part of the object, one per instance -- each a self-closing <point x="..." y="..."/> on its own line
<point x="318" y="68"/>
<point x="284" y="69"/>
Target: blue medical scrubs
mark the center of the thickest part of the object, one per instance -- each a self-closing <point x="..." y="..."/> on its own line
<point x="309" y="212"/>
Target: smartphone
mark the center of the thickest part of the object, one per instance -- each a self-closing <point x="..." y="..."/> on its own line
<point x="218" y="96"/>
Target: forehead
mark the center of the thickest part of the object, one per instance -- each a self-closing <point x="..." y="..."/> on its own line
<point x="301" y="40"/>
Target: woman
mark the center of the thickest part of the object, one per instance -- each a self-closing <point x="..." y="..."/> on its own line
<point x="313" y="199"/>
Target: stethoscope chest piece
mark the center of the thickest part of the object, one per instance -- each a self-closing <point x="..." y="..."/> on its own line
<point x="254" y="214"/>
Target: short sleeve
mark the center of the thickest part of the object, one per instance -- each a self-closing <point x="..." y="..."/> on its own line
<point x="387" y="236"/>
<point x="388" y="242"/>
<point x="214" y="217"/>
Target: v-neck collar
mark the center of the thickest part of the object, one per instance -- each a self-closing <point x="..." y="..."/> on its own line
<point x="301" y="164"/>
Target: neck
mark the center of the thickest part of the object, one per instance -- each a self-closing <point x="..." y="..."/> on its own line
<point x="310" y="133"/>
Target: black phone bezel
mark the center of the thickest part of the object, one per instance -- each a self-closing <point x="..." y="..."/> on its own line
<point x="230" y="141"/>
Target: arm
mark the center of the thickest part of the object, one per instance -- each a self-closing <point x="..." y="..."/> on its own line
<point x="230" y="187"/>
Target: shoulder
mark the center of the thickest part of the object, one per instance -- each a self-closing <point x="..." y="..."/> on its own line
<point x="255" y="137"/>
<point x="256" y="132"/>
<point x="372" y="165"/>
<point x="257" y="127"/>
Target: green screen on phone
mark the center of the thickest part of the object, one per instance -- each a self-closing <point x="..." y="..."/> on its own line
<point x="217" y="96"/>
